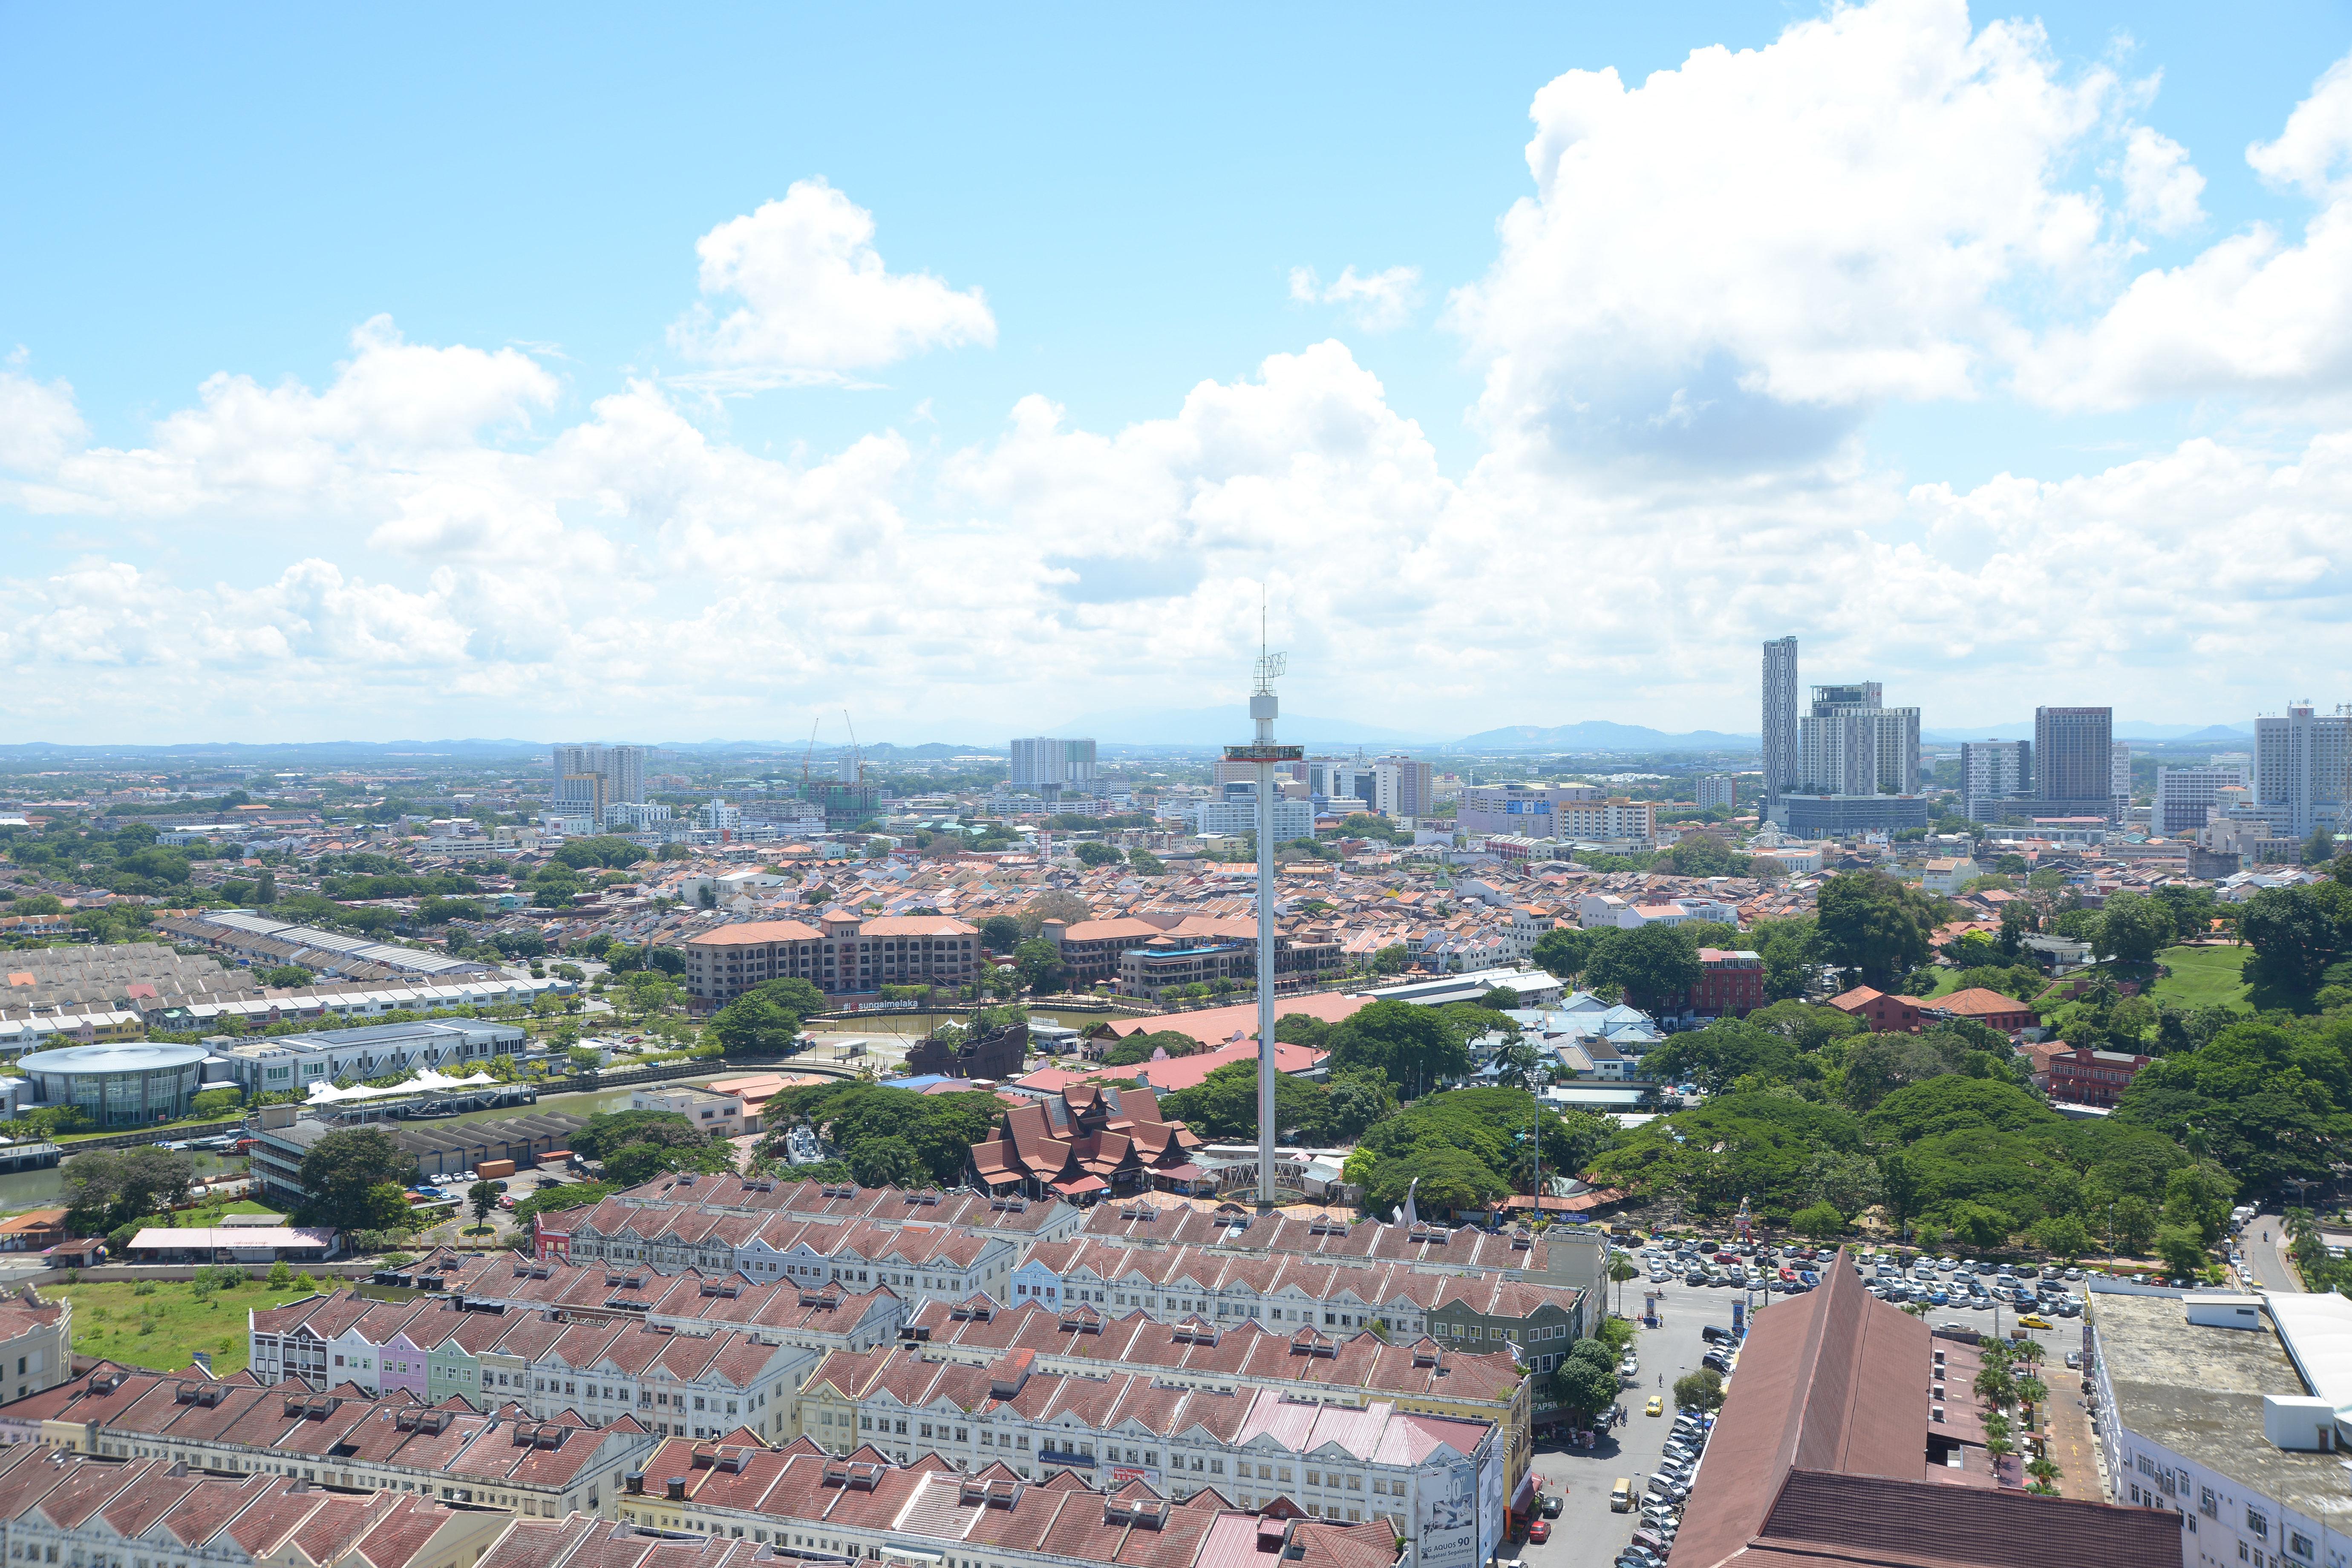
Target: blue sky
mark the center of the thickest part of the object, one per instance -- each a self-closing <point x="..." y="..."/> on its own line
<point x="1688" y="407"/>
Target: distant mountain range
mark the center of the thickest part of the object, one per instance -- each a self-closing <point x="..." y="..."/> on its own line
<point x="1230" y="726"/>
<point x="1601" y="736"/>
<point x="2125" y="730"/>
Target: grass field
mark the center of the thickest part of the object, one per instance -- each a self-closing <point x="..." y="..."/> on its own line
<point x="108" y="1319"/>
<point x="2204" y="977"/>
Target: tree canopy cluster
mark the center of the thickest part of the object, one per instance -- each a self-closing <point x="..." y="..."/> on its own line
<point x="2302" y="937"/>
<point x="1979" y="1160"/>
<point x="766" y="1020"/>
<point x="1223" y="1108"/>
<point x="1469" y="1148"/>
<point x="357" y="1181"/>
<point x="2269" y="1098"/>
<point x="891" y="1136"/>
<point x="110" y="1187"/>
<point x="639" y="1145"/>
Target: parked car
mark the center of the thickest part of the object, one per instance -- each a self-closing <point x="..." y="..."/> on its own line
<point x="1538" y="1533"/>
<point x="2073" y="1358"/>
<point x="1553" y="1503"/>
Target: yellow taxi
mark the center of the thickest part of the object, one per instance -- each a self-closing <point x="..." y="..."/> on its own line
<point x="1656" y="1407"/>
<point x="2034" y="1320"/>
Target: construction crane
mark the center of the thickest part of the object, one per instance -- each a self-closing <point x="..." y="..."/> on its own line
<point x="856" y="757"/>
<point x="807" y="752"/>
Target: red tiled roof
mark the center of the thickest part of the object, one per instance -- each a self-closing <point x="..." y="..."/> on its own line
<point x="1976" y="1002"/>
<point x="754" y="933"/>
<point x="1819" y="1457"/>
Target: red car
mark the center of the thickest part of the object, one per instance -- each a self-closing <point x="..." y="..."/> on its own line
<point x="1538" y="1533"/>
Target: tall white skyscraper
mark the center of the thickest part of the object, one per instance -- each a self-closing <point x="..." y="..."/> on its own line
<point x="591" y="779"/>
<point x="1996" y="779"/>
<point x="2301" y="762"/>
<point x="1048" y="766"/>
<point x="2121" y="787"/>
<point x="1782" y="760"/>
<point x="1853" y="745"/>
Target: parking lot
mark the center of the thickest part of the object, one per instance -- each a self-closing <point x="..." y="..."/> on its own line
<point x="1587" y="1534"/>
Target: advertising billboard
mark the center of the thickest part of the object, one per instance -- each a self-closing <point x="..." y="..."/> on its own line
<point x="1494" y="1499"/>
<point x="1451" y="1533"/>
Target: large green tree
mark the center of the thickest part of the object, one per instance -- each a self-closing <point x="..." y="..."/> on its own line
<point x="353" y="1178"/>
<point x="1223" y="1107"/>
<point x="1565" y="951"/>
<point x="752" y="1024"/>
<point x="111" y="1188"/>
<point x="2135" y="927"/>
<point x="1409" y="1044"/>
<point x="1653" y="964"/>
<point x="1874" y="927"/>
<point x="2295" y="933"/>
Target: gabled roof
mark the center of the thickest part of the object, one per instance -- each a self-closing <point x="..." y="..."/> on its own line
<point x="1819" y="1457"/>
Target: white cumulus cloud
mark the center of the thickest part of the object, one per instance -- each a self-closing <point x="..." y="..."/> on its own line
<point x="1726" y="260"/>
<point x="1378" y="301"/>
<point x="2254" y="313"/>
<point x="816" y="300"/>
<point x="2162" y="187"/>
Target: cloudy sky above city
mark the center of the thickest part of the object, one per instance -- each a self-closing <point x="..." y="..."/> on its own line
<point x="685" y="377"/>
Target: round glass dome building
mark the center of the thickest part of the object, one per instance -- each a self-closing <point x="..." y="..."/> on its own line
<point x="129" y="1085"/>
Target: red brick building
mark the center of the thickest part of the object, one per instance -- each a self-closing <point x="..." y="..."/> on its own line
<point x="1989" y="1008"/>
<point x="1730" y="983"/>
<point x="2093" y="1078"/>
<point x="1885" y="1015"/>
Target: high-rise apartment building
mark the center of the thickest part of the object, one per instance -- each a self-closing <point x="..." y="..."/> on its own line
<point x="2121" y="788"/>
<point x="2184" y="796"/>
<point x="1414" y="786"/>
<point x="1392" y="785"/>
<point x="1851" y="744"/>
<point x="592" y="779"/>
<point x="1043" y="765"/>
<point x="2074" y="761"/>
<point x="1718" y="792"/>
<point x="1996" y="779"/>
<point x="1783" y="758"/>
<point x="2301" y="760"/>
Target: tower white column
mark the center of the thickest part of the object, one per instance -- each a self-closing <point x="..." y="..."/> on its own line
<point x="1264" y="752"/>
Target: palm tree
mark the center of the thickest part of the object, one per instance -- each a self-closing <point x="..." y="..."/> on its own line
<point x="1621" y="1269"/>
<point x="2027" y="1350"/>
<point x="2044" y="1469"/>
<point x="2031" y="1391"/>
<point x="1995" y="1387"/>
